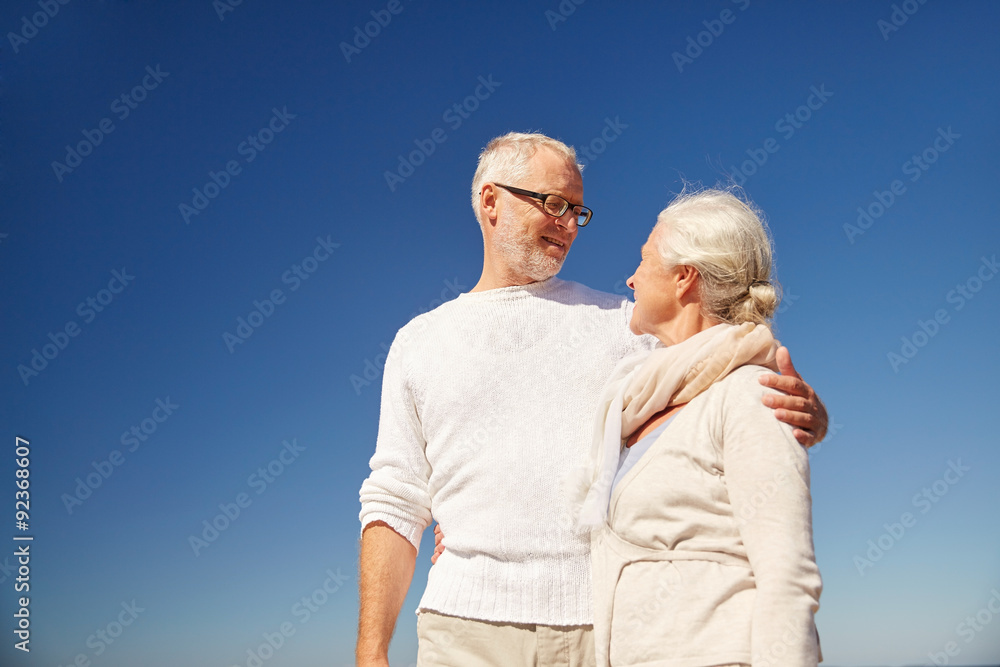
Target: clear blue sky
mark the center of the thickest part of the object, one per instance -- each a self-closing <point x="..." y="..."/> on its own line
<point x="287" y="136"/>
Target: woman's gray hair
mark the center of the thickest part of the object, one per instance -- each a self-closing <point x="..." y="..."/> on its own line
<point x="505" y="160"/>
<point x="726" y="239"/>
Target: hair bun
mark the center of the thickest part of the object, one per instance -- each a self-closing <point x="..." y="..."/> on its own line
<point x="762" y="299"/>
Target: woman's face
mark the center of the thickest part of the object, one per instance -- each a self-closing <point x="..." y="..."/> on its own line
<point x="655" y="287"/>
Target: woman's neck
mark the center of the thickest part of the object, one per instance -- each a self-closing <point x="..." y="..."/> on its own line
<point x="688" y="322"/>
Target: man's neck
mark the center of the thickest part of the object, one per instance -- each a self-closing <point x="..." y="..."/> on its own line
<point x="493" y="279"/>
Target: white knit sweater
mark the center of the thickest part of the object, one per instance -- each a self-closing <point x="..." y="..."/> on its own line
<point x="486" y="402"/>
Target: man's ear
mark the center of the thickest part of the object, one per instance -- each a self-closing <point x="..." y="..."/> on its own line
<point x="488" y="202"/>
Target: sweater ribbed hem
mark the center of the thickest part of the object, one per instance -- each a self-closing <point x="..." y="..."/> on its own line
<point x="407" y="529"/>
<point x="552" y="591"/>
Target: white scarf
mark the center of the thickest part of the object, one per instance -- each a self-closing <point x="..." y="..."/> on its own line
<point x="647" y="382"/>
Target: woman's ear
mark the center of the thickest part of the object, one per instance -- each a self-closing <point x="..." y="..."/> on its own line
<point x="687" y="281"/>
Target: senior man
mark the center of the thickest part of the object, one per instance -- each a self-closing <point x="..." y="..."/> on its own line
<point x="486" y="402"/>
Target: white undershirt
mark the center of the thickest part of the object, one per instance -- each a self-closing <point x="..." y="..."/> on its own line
<point x="631" y="455"/>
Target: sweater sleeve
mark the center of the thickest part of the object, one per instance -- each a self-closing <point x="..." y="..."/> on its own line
<point x="767" y="477"/>
<point x="396" y="492"/>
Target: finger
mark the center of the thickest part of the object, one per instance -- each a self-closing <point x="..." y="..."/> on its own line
<point x="437" y="529"/>
<point x="806" y="413"/>
<point x="434" y="558"/>
<point x="805" y="438"/>
<point x="803" y="420"/>
<point x="786" y="383"/>
<point x="790" y="402"/>
<point x="784" y="359"/>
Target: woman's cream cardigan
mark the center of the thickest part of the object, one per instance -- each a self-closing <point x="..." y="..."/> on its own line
<point x="707" y="554"/>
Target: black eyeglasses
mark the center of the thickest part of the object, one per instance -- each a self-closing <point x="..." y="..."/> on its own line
<point x="554" y="205"/>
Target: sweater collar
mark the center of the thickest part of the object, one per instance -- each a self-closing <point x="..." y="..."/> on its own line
<point x="538" y="288"/>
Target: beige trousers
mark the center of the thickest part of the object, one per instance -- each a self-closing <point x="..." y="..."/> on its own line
<point x="449" y="641"/>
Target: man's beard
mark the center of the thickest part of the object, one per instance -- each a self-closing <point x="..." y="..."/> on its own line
<point x="523" y="254"/>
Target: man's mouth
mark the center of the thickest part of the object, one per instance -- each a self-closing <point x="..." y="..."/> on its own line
<point x="555" y="242"/>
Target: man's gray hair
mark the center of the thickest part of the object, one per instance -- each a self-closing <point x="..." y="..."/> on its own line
<point x="505" y="160"/>
<point x="726" y="239"/>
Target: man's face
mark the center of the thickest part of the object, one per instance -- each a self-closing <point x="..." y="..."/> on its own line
<point x="530" y="242"/>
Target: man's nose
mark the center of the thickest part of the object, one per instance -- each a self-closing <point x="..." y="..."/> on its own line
<point x="631" y="282"/>
<point x="568" y="220"/>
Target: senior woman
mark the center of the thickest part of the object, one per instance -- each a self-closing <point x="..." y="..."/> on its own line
<point x="699" y="499"/>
